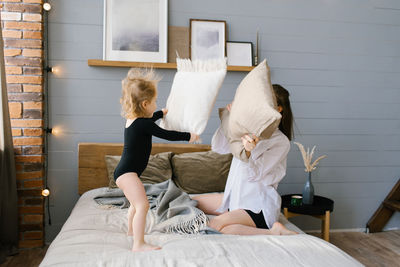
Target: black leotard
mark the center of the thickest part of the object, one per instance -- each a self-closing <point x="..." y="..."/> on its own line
<point x="137" y="143"/>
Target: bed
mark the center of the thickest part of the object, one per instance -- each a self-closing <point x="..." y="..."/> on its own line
<point x="93" y="236"/>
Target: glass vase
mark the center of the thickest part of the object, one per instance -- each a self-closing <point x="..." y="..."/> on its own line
<point x="308" y="191"/>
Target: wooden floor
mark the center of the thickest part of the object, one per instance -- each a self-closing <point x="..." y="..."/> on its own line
<point x="26" y="257"/>
<point x="378" y="249"/>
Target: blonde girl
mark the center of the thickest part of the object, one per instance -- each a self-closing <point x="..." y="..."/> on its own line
<point x="139" y="95"/>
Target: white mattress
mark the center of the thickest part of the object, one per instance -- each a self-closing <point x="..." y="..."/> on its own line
<point x="97" y="237"/>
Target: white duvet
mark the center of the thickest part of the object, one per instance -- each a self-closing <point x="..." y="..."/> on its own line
<point x="97" y="237"/>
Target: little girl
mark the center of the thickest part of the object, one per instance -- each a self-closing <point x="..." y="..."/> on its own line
<point x="250" y="204"/>
<point x="139" y="94"/>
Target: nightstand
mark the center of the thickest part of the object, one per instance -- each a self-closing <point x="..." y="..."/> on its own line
<point x="321" y="209"/>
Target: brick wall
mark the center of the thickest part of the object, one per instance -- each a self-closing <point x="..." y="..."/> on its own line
<point x="22" y="22"/>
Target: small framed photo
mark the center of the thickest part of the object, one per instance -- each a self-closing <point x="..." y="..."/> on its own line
<point x="135" y="30"/>
<point x="239" y="53"/>
<point x="207" y="39"/>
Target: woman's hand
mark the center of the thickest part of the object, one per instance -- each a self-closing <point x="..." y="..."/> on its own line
<point x="248" y="142"/>
<point x="193" y="138"/>
<point x="164" y="111"/>
<point x="229" y="106"/>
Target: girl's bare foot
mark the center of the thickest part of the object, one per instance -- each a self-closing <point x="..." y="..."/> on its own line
<point x="144" y="247"/>
<point x="129" y="233"/>
<point x="279" y="229"/>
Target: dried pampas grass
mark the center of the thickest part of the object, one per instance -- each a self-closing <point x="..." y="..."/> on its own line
<point x="307" y="157"/>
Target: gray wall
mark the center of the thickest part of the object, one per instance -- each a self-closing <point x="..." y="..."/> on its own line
<point x="339" y="59"/>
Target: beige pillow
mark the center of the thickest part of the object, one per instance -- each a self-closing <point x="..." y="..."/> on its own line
<point x="201" y="172"/>
<point x="253" y="109"/>
<point x="235" y="145"/>
<point x="158" y="169"/>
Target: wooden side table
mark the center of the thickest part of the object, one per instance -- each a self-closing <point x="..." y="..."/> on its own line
<point x="321" y="209"/>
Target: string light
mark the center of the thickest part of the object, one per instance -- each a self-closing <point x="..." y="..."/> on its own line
<point x="46" y="192"/>
<point x="56" y="70"/>
<point x="47" y="128"/>
<point x="47" y="6"/>
<point x="56" y="131"/>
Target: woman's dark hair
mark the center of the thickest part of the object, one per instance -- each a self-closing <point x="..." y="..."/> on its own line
<point x="282" y="99"/>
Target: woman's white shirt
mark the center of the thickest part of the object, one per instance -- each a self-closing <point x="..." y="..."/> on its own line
<point x="253" y="185"/>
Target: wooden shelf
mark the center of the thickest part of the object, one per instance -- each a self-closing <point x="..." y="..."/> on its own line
<point x="128" y="64"/>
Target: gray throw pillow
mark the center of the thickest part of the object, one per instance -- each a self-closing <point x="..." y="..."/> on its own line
<point x="201" y="172"/>
<point x="158" y="169"/>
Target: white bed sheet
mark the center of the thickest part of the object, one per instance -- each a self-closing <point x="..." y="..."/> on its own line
<point x="93" y="236"/>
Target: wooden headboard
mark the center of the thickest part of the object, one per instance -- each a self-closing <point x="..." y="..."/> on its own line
<point x="92" y="171"/>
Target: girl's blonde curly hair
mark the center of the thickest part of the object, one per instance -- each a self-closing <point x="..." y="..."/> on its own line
<point x="139" y="85"/>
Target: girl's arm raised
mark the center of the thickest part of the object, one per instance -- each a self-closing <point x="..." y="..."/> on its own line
<point x="157" y="131"/>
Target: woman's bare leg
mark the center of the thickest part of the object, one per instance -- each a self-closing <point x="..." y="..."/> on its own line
<point x="209" y="203"/>
<point x="134" y="191"/>
<point x="238" y="229"/>
<point x="131" y="214"/>
<point x="231" y="217"/>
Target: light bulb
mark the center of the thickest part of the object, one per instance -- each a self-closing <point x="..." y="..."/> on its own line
<point x="45" y="192"/>
<point x="47" y="6"/>
<point x="56" y="131"/>
<point x="56" y="70"/>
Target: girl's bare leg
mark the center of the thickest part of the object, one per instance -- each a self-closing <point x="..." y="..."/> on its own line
<point x="238" y="229"/>
<point x="131" y="214"/>
<point x="135" y="193"/>
<point x="209" y="203"/>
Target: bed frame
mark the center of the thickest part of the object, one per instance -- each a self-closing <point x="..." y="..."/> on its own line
<point x="92" y="171"/>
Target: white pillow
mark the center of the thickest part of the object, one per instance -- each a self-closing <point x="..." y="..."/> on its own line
<point x="193" y="94"/>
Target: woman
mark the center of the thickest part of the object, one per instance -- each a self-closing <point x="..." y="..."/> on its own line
<point x="250" y="204"/>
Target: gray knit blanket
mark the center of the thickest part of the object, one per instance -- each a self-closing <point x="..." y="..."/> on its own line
<point x="171" y="209"/>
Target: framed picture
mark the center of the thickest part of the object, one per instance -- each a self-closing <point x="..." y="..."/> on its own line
<point x="239" y="53"/>
<point x="135" y="30"/>
<point x="207" y="39"/>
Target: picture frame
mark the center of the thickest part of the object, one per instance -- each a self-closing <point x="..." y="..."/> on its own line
<point x="240" y="53"/>
<point x="207" y="39"/>
<point x="135" y="30"/>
